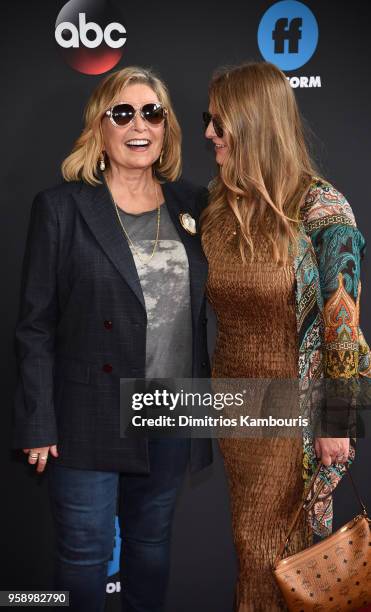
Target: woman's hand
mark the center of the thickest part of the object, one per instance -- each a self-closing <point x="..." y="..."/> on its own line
<point x="39" y="456"/>
<point x="332" y="450"/>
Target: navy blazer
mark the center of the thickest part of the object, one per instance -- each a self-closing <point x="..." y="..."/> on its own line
<point x="82" y="326"/>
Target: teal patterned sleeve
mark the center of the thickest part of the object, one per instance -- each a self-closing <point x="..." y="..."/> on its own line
<point x="339" y="247"/>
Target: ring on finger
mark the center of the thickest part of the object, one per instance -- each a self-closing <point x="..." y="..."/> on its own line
<point x="43" y="457"/>
<point x="33" y="455"/>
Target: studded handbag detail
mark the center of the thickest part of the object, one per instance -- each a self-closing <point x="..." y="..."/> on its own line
<point x="333" y="575"/>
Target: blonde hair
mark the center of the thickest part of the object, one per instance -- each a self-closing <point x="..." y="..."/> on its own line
<point x="82" y="163"/>
<point x="267" y="171"/>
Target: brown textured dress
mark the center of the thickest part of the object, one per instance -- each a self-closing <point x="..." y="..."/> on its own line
<point x="257" y="338"/>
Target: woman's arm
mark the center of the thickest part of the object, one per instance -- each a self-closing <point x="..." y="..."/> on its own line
<point x="339" y="247"/>
<point x="34" y="417"/>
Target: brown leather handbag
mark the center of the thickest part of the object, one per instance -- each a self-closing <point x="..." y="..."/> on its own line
<point x="333" y="575"/>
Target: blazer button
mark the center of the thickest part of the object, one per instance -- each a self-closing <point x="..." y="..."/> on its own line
<point x="108" y="324"/>
<point x="107" y="368"/>
<point x="204" y="364"/>
<point x="204" y="322"/>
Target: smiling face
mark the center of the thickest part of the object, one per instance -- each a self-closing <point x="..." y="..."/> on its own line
<point x="220" y="143"/>
<point x="136" y="145"/>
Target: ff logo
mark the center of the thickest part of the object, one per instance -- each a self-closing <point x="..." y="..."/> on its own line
<point x="89" y="36"/>
<point x="288" y="34"/>
<point x="114" y="563"/>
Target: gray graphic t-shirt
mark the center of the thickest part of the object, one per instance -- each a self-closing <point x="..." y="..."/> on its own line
<point x="166" y="291"/>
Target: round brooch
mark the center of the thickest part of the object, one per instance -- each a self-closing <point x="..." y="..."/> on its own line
<point x="188" y="223"/>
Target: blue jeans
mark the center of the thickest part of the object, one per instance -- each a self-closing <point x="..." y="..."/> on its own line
<point x="84" y="504"/>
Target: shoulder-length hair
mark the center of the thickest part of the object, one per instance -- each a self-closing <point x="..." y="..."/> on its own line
<point x="268" y="170"/>
<point x="82" y="163"/>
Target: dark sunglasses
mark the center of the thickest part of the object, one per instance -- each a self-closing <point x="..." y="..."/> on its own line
<point x="207" y="117"/>
<point x="122" y="114"/>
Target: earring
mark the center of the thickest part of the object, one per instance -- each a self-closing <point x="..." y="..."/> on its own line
<point x="102" y="163"/>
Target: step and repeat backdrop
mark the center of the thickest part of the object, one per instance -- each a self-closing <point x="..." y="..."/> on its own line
<point x="53" y="55"/>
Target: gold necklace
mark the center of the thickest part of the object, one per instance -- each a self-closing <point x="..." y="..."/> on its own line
<point x="131" y="243"/>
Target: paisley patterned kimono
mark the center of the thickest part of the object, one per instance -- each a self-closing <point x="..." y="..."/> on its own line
<point x="331" y="344"/>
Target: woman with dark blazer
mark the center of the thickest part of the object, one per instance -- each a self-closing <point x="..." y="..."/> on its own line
<point x="113" y="287"/>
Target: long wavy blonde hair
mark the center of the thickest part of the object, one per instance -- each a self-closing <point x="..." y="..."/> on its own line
<point x="268" y="170"/>
<point x="82" y="163"/>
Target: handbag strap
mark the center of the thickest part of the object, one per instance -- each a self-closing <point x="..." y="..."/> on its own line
<point x="307" y="505"/>
<point x="364" y="509"/>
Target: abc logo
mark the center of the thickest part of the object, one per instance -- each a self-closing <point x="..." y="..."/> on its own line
<point x="288" y="34"/>
<point x="80" y="34"/>
<point x="90" y="35"/>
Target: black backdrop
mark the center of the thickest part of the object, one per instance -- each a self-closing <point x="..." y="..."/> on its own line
<point x="42" y="102"/>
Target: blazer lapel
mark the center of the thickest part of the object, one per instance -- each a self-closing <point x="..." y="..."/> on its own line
<point x="177" y="204"/>
<point x="97" y="209"/>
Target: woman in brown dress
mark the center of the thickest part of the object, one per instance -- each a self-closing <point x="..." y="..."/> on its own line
<point x="265" y="180"/>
